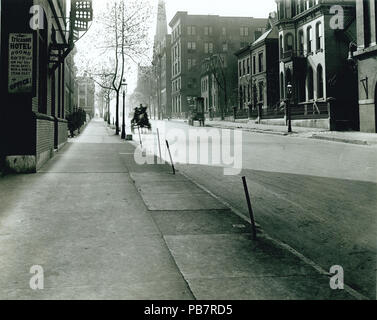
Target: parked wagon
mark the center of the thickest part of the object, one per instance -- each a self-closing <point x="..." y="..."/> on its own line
<point x="197" y="112"/>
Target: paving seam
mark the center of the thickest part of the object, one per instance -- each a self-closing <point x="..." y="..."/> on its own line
<point x="355" y="294"/>
<point x="161" y="234"/>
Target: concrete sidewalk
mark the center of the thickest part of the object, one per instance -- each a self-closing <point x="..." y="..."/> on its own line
<point x="352" y="137"/>
<point x="105" y="227"/>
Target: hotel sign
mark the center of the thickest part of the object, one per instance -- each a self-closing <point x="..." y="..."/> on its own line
<point x="20" y="76"/>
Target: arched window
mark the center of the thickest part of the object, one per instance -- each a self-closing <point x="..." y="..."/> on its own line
<point x="309" y="39"/>
<point x="310" y="84"/>
<point x="320" y="82"/>
<point x="288" y="42"/>
<point x="301" y="42"/>
<point x="281" y="46"/>
<point x="318" y="35"/>
<point x="282" y="86"/>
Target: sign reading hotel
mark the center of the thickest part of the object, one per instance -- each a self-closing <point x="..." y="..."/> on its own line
<point x="20" y="76"/>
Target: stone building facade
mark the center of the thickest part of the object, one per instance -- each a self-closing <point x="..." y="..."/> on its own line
<point x="366" y="55"/>
<point x="314" y="38"/>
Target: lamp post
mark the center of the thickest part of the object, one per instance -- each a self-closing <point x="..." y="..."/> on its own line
<point x="124" y="85"/>
<point x="289" y="97"/>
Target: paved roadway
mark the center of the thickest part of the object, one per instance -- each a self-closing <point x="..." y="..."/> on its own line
<point x="318" y="197"/>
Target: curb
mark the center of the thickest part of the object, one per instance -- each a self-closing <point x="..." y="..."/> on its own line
<point x="357" y="142"/>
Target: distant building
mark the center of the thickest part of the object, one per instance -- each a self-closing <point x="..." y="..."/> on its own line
<point x="313" y="48"/>
<point x="197" y="37"/>
<point x="265" y="73"/>
<point x="366" y="55"/>
<point x="86" y="95"/>
<point x="162" y="64"/>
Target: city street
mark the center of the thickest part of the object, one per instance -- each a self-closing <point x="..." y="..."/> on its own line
<point x="318" y="197"/>
<point x="118" y="229"/>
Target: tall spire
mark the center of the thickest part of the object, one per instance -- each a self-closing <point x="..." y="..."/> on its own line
<point x="162" y="24"/>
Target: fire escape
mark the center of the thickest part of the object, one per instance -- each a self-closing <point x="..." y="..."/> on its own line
<point x="80" y="16"/>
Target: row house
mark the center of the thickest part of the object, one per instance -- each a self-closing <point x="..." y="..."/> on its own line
<point x="258" y="74"/>
<point x="364" y="56"/>
<point x="35" y="42"/>
<point x="314" y="38"/>
<point x="196" y="38"/>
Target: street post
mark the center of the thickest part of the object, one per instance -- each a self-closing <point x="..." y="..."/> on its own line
<point x="288" y="106"/>
<point x="124" y="84"/>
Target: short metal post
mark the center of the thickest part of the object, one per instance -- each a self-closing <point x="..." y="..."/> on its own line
<point x="159" y="144"/>
<point x="250" y="208"/>
<point x="171" y="159"/>
<point x="141" y="142"/>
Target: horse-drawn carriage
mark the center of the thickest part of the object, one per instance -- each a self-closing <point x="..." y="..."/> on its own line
<point x="197" y="112"/>
<point x="140" y="119"/>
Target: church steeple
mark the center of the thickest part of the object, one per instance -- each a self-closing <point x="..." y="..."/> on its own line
<point x="162" y="24"/>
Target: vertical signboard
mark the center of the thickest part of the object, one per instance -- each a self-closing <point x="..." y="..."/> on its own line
<point x="20" y="76"/>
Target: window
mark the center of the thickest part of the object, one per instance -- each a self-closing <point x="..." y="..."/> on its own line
<point x="320" y="82"/>
<point x="288" y="42"/>
<point x="191" y="30"/>
<point x="310" y="84"/>
<point x="208" y="47"/>
<point x="309" y="37"/>
<point x="189" y="64"/>
<point x="254" y="65"/>
<point x="225" y="47"/>
<point x="208" y="31"/>
<point x="244" y="31"/>
<point x="260" y="62"/>
<point x="191" y="45"/>
<point x="301" y="42"/>
<point x="239" y="69"/>
<point x="258" y="33"/>
<point x="248" y="65"/>
<point x="281" y="46"/>
<point x="318" y="31"/>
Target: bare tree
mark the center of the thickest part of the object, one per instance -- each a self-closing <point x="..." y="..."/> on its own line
<point x="217" y="69"/>
<point x="121" y="39"/>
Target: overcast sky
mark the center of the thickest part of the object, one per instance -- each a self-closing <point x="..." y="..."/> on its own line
<point x="247" y="8"/>
<point x="244" y="8"/>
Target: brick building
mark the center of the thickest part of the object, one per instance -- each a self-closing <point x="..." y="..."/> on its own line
<point x="196" y="37"/>
<point x="32" y="86"/>
<point x="314" y="38"/>
<point x="366" y="55"/>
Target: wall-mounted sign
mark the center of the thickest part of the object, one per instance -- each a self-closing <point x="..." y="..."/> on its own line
<point x="20" y="76"/>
